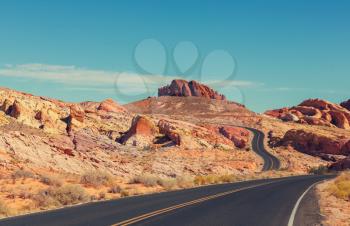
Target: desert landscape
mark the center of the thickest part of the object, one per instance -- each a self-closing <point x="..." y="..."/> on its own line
<point x="55" y="153"/>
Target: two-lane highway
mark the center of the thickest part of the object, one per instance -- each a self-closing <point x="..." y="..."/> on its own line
<point x="262" y="202"/>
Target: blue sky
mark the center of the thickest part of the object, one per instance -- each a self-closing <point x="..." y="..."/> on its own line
<point x="281" y="51"/>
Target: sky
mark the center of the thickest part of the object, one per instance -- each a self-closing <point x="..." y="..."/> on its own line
<point x="265" y="54"/>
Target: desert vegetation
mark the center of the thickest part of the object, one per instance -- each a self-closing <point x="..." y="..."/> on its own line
<point x="340" y="187"/>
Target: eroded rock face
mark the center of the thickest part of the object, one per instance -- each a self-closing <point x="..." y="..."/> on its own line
<point x="314" y="144"/>
<point x="239" y="136"/>
<point x="110" y="105"/>
<point x="183" y="88"/>
<point x="141" y="133"/>
<point x="167" y="129"/>
<point x="340" y="165"/>
<point x="346" y="104"/>
<point x="75" y="119"/>
<point x="315" y="112"/>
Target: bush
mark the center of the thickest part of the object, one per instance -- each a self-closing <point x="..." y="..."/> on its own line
<point x="22" y="174"/>
<point x="168" y="183"/>
<point x="340" y="188"/>
<point x="4" y="210"/>
<point x="319" y="170"/>
<point x="185" y="181"/>
<point x="51" y="180"/>
<point x="146" y="179"/>
<point x="115" y="189"/>
<point x="96" y="178"/>
<point x="66" y="195"/>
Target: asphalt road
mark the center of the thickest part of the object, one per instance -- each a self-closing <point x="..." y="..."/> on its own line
<point x="262" y="202"/>
<point x="270" y="161"/>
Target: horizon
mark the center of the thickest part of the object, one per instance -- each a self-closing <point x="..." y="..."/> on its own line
<point x="265" y="55"/>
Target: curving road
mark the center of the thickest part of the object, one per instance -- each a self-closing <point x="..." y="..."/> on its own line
<point x="270" y="161"/>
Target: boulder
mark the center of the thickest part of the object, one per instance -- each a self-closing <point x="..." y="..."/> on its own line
<point x="110" y="105"/>
<point x="141" y="132"/>
<point x="289" y="117"/>
<point x="239" y="136"/>
<point x="183" y="88"/>
<point x="170" y="131"/>
<point x="346" y="104"/>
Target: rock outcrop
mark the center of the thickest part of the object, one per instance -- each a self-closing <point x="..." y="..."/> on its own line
<point x="346" y="104"/>
<point x="183" y="88"/>
<point x="239" y="136"/>
<point x="141" y="133"/>
<point x="168" y="130"/>
<point x="110" y="105"/>
<point x="315" y="144"/>
<point x="315" y="112"/>
<point x="340" y="165"/>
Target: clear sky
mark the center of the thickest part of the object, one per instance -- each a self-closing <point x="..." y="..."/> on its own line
<point x="283" y="51"/>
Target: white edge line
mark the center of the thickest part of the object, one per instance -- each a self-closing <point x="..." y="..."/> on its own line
<point x="295" y="209"/>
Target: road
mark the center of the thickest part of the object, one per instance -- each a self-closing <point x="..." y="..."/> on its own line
<point x="262" y="202"/>
<point x="270" y="161"/>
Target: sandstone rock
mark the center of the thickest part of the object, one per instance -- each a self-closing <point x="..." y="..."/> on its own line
<point x="238" y="136"/>
<point x="110" y="105"/>
<point x="6" y="105"/>
<point x="341" y="165"/>
<point x="315" y="112"/>
<point x="141" y="133"/>
<point x="167" y="129"/>
<point x="289" y="117"/>
<point x="75" y="119"/>
<point x="346" y="104"/>
<point x="315" y="144"/>
<point x="16" y="110"/>
<point x="192" y="88"/>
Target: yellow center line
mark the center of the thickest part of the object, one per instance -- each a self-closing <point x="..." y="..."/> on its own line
<point x="171" y="208"/>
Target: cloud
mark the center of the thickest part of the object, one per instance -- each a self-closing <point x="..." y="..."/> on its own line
<point x="82" y="79"/>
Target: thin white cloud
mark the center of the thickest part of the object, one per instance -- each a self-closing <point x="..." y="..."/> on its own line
<point x="85" y="79"/>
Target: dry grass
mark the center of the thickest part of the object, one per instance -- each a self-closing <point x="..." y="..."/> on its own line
<point x="66" y="195"/>
<point x="51" y="180"/>
<point x="340" y="187"/>
<point x="22" y="174"/>
<point x="147" y="179"/>
<point x="4" y="209"/>
<point x="214" y="179"/>
<point x="96" y="178"/>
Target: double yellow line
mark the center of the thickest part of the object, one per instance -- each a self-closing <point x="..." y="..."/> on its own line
<point x="165" y="210"/>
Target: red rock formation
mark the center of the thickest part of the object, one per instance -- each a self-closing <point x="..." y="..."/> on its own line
<point x="167" y="129"/>
<point x="346" y="104"/>
<point x="238" y="136"/>
<point x="140" y="126"/>
<point x="16" y="110"/>
<point x="315" y="112"/>
<point x="192" y="88"/>
<point x="314" y="144"/>
<point x="110" y="105"/>
<point x="343" y="164"/>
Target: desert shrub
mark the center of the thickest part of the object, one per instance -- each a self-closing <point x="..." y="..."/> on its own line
<point x="146" y="179"/>
<point x="185" y="181"/>
<point x="4" y="209"/>
<point x="22" y="174"/>
<point x="340" y="187"/>
<point x="66" y="195"/>
<point x="51" y="180"/>
<point x="319" y="170"/>
<point x="102" y="195"/>
<point x="214" y="179"/>
<point x="168" y="183"/>
<point x="115" y="189"/>
<point x="96" y="178"/>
